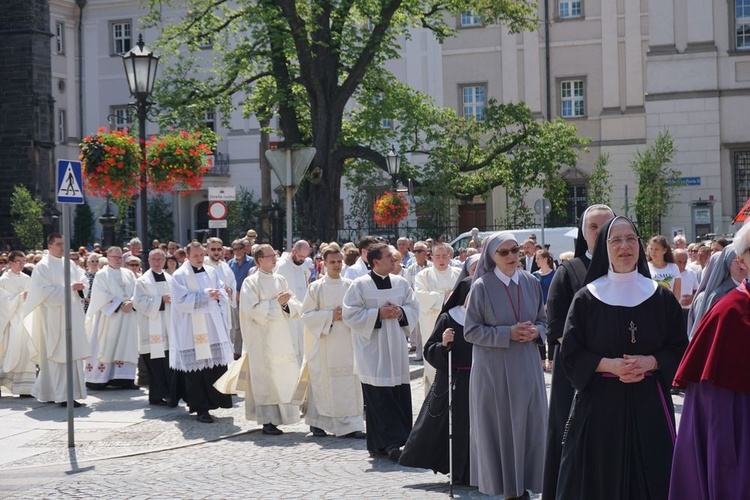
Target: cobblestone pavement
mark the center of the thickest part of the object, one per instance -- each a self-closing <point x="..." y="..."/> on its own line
<point x="165" y="453"/>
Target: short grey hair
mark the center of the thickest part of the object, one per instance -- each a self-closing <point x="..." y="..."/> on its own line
<point x="742" y="239"/>
<point x="135" y="241"/>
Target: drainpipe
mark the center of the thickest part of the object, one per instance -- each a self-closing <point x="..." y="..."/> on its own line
<point x="81" y="4"/>
<point x="547" y="60"/>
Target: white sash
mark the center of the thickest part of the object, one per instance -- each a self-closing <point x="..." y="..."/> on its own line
<point x="155" y="325"/>
<point x="200" y="324"/>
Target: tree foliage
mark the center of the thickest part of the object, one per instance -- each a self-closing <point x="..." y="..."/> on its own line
<point x="600" y="182"/>
<point x="160" y="223"/>
<point x="657" y="181"/>
<point x="307" y="62"/>
<point x="26" y="211"/>
<point x="242" y="214"/>
<point x="83" y="226"/>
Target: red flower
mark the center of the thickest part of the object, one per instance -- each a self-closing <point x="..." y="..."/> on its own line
<point x="391" y="208"/>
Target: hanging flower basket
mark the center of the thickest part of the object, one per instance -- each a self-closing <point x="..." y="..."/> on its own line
<point x="111" y="164"/>
<point x="391" y="208"/>
<point x="178" y="161"/>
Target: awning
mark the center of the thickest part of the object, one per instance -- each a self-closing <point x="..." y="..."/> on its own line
<point x="744" y="213"/>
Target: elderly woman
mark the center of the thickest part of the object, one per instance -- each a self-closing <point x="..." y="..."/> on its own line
<point x="624" y="337"/>
<point x="712" y="454"/>
<point x="507" y="400"/>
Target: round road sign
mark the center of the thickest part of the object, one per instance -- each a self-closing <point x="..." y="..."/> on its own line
<point x="217" y="210"/>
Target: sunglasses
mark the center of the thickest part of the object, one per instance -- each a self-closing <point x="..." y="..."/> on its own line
<point x="503" y="252"/>
<point x="134" y="265"/>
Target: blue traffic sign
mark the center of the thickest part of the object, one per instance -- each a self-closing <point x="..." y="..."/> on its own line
<point x="69" y="182"/>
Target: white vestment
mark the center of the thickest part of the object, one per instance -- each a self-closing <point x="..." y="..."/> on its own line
<point x="44" y="317"/>
<point x="431" y="287"/>
<point x="335" y="395"/>
<point x="356" y="270"/>
<point x="112" y="332"/>
<point x="17" y="371"/>
<point x="227" y="277"/>
<point x="273" y="369"/>
<point x="153" y="325"/>
<point x="380" y="354"/>
<point x="297" y="278"/>
<point x="199" y="337"/>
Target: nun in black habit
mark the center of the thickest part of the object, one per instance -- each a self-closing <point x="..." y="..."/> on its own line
<point x="427" y="446"/>
<point x="623" y="340"/>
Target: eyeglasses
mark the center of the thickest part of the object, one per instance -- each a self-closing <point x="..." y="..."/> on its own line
<point x="692" y="251"/>
<point x="631" y="240"/>
<point x="134" y="264"/>
<point x="419" y="251"/>
<point x="215" y="249"/>
<point x="503" y="252"/>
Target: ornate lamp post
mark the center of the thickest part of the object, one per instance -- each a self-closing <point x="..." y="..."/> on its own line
<point x="140" y="70"/>
<point x="393" y="161"/>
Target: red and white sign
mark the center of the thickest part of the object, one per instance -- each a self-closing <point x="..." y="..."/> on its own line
<point x="217" y="210"/>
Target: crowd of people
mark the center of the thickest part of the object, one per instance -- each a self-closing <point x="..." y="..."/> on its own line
<point x="323" y="332"/>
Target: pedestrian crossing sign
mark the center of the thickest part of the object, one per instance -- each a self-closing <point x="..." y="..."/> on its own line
<point x="69" y="182"/>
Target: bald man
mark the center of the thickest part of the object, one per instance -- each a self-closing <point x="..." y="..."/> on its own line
<point x="297" y="275"/>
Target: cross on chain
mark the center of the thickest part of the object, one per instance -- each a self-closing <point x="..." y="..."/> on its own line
<point x="632" y="329"/>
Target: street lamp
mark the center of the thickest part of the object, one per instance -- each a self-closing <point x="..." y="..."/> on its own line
<point x="393" y="161"/>
<point x="140" y="70"/>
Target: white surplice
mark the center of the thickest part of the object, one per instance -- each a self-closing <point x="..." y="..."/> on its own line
<point x="431" y="287"/>
<point x="44" y="317"/>
<point x="153" y="325"/>
<point x="335" y="394"/>
<point x="112" y="333"/>
<point x="198" y="321"/>
<point x="227" y="277"/>
<point x="271" y="376"/>
<point x="297" y="278"/>
<point x="380" y="354"/>
<point x="17" y="371"/>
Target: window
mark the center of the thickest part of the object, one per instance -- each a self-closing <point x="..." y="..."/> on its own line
<point x="121" y="37"/>
<point x="120" y="118"/>
<point x="60" y="37"/>
<point x="473" y="101"/>
<point x="741" y="178"/>
<point x="62" y="127"/>
<point x="570" y="9"/>
<point x="386" y="123"/>
<point x="470" y="19"/>
<point x="742" y="24"/>
<point x="572" y="104"/>
<point x="209" y="119"/>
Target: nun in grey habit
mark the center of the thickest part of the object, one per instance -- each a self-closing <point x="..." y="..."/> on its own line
<point x="505" y="321"/>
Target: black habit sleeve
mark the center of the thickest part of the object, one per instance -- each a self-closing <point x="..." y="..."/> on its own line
<point x="560" y="296"/>
<point x="434" y="351"/>
<point x="578" y="362"/>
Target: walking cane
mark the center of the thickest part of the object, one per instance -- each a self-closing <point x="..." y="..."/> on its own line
<point x="450" y="417"/>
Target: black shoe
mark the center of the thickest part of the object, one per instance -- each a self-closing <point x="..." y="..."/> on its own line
<point x="96" y="387"/>
<point x="205" y="418"/>
<point x="159" y="402"/>
<point x="394" y="454"/>
<point x="271" y="430"/>
<point x="318" y="432"/>
<point x="76" y="404"/>
<point x="25" y="396"/>
<point x="378" y="453"/>
<point x="355" y="435"/>
<point x="130" y="387"/>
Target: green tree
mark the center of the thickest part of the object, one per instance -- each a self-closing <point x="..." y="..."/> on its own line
<point x="307" y="61"/>
<point x="600" y="183"/>
<point x="83" y="226"/>
<point x="242" y="214"/>
<point x="657" y="181"/>
<point x="26" y="211"/>
<point x="160" y="223"/>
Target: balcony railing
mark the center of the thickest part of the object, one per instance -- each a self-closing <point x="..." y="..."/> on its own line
<point x="220" y="165"/>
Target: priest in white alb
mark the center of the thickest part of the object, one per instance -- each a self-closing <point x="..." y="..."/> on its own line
<point x="334" y="393"/>
<point x="152" y="302"/>
<point x="297" y="275"/>
<point x="44" y="317"/>
<point x="199" y="346"/>
<point x="266" y="305"/>
<point x="214" y="259"/>
<point x="111" y="326"/>
<point x="432" y="286"/>
<point x="381" y="310"/>
<point x="17" y="371"/>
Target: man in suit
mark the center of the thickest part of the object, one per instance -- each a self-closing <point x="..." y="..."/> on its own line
<point x="529" y="250"/>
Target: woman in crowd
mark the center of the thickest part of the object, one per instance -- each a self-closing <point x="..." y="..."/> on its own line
<point x="623" y="339"/>
<point x="712" y="454"/>
<point x="507" y="399"/>
<point x="662" y="267"/>
<point x="545" y="274"/>
<point x="427" y="446"/>
<point x="171" y="264"/>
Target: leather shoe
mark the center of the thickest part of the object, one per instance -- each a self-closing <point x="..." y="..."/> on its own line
<point x="394" y="454"/>
<point x="205" y="418"/>
<point x="271" y="430"/>
<point x="318" y="432"/>
<point x="378" y="453"/>
<point x="159" y="402"/>
<point x="76" y="404"/>
<point x="355" y="435"/>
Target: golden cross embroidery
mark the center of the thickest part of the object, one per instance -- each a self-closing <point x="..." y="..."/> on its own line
<point x="632" y="329"/>
<point x="201" y="338"/>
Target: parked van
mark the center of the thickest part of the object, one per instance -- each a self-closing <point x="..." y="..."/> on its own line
<point x="559" y="239"/>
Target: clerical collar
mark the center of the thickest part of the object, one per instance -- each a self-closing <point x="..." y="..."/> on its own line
<point x="196" y="270"/>
<point x="380" y="275"/>
<point x="159" y="276"/>
<point x="623" y="289"/>
<point x="265" y="272"/>
<point x="505" y="279"/>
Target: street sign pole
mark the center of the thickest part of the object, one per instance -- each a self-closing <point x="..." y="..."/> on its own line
<point x="289" y="200"/>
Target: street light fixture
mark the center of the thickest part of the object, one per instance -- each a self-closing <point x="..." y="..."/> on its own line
<point x="393" y="162"/>
<point x="140" y="70"/>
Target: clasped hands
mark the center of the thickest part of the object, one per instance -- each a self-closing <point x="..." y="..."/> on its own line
<point x="389" y="310"/>
<point x="629" y="368"/>
<point x="338" y="314"/>
<point x="523" y="332"/>
<point x="283" y="297"/>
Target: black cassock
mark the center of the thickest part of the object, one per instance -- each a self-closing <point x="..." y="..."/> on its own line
<point x="427" y="446"/>
<point x="620" y="438"/>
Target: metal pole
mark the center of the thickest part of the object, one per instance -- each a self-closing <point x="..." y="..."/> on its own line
<point x="544" y="213"/>
<point x="68" y="322"/>
<point x="450" y="418"/>
<point x="145" y="245"/>
<point x="289" y="201"/>
<point x="394" y="181"/>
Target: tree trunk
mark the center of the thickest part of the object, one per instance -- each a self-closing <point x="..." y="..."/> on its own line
<point x="319" y="197"/>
